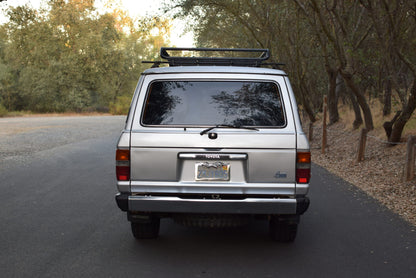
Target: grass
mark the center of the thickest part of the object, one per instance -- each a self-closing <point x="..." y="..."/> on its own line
<point x="3" y="111"/>
<point x="347" y="117"/>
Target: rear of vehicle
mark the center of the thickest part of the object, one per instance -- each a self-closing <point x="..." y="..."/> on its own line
<point x="213" y="146"/>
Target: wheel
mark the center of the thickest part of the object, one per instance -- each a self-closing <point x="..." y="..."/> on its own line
<point x="146" y="229"/>
<point x="282" y="230"/>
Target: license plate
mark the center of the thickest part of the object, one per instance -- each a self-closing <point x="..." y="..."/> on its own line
<point x="216" y="171"/>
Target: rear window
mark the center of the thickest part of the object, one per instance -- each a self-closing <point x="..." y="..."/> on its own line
<point x="208" y="103"/>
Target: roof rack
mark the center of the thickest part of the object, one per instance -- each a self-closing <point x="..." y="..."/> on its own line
<point x="242" y="59"/>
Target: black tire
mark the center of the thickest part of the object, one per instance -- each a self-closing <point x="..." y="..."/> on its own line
<point x="147" y="229"/>
<point x="282" y="230"/>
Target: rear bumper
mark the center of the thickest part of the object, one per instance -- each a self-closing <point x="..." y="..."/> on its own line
<point x="244" y="206"/>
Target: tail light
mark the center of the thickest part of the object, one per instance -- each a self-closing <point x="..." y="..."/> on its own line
<point x="303" y="167"/>
<point x="123" y="165"/>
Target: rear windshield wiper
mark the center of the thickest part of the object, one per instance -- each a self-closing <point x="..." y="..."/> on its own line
<point x="227" y="126"/>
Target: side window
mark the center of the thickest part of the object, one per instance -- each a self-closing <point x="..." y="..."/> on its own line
<point x="206" y="103"/>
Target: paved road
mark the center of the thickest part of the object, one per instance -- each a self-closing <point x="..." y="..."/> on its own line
<point x="58" y="218"/>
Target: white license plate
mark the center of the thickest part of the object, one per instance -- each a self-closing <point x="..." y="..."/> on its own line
<point x="215" y="171"/>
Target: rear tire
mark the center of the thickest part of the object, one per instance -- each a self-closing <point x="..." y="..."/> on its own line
<point x="282" y="230"/>
<point x="146" y="229"/>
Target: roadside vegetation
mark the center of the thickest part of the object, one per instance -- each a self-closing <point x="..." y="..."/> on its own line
<point x="350" y="51"/>
<point x="69" y="58"/>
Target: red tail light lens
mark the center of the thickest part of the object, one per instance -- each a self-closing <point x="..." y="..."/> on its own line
<point x="303" y="167"/>
<point x="303" y="175"/>
<point x="123" y="165"/>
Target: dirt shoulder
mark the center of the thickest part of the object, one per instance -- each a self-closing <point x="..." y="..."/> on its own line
<point x="380" y="175"/>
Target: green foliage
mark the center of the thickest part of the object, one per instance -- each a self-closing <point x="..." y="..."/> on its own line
<point x="365" y="41"/>
<point x="3" y="111"/>
<point x="120" y="106"/>
<point x="70" y="58"/>
<point x="276" y="25"/>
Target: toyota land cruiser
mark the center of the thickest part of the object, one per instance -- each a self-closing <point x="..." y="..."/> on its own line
<point x="213" y="141"/>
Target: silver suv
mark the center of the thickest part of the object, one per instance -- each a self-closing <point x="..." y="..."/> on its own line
<point x="213" y="141"/>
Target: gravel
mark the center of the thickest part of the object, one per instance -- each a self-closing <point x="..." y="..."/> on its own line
<point x="23" y="136"/>
<point x="380" y="174"/>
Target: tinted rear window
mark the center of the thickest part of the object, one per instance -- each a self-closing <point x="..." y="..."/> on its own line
<point x="207" y="103"/>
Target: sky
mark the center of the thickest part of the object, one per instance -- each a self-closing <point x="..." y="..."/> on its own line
<point x="135" y="8"/>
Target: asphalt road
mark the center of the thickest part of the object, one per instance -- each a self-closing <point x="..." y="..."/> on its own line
<point x="58" y="218"/>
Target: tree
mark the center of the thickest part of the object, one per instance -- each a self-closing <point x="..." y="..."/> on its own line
<point x="345" y="26"/>
<point x="68" y="57"/>
<point x="394" y="23"/>
<point x="262" y="24"/>
<point x="369" y="43"/>
<point x="327" y="55"/>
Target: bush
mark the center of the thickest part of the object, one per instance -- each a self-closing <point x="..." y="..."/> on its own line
<point x="3" y="111"/>
<point x="121" y="106"/>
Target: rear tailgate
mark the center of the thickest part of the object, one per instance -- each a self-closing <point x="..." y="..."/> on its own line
<point x="258" y="162"/>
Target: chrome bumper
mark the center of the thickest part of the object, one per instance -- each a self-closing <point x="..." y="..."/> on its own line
<point x="243" y="206"/>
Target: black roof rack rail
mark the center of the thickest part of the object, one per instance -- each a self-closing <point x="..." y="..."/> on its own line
<point x="156" y="64"/>
<point x="241" y="60"/>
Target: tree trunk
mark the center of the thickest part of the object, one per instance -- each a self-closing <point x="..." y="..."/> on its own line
<point x="404" y="117"/>
<point x="332" y="96"/>
<point x="368" y="118"/>
<point x="388" y="126"/>
<point x="306" y="105"/>
<point x="309" y="112"/>
<point x="341" y="90"/>
<point x="357" y="112"/>
<point x="387" y="99"/>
